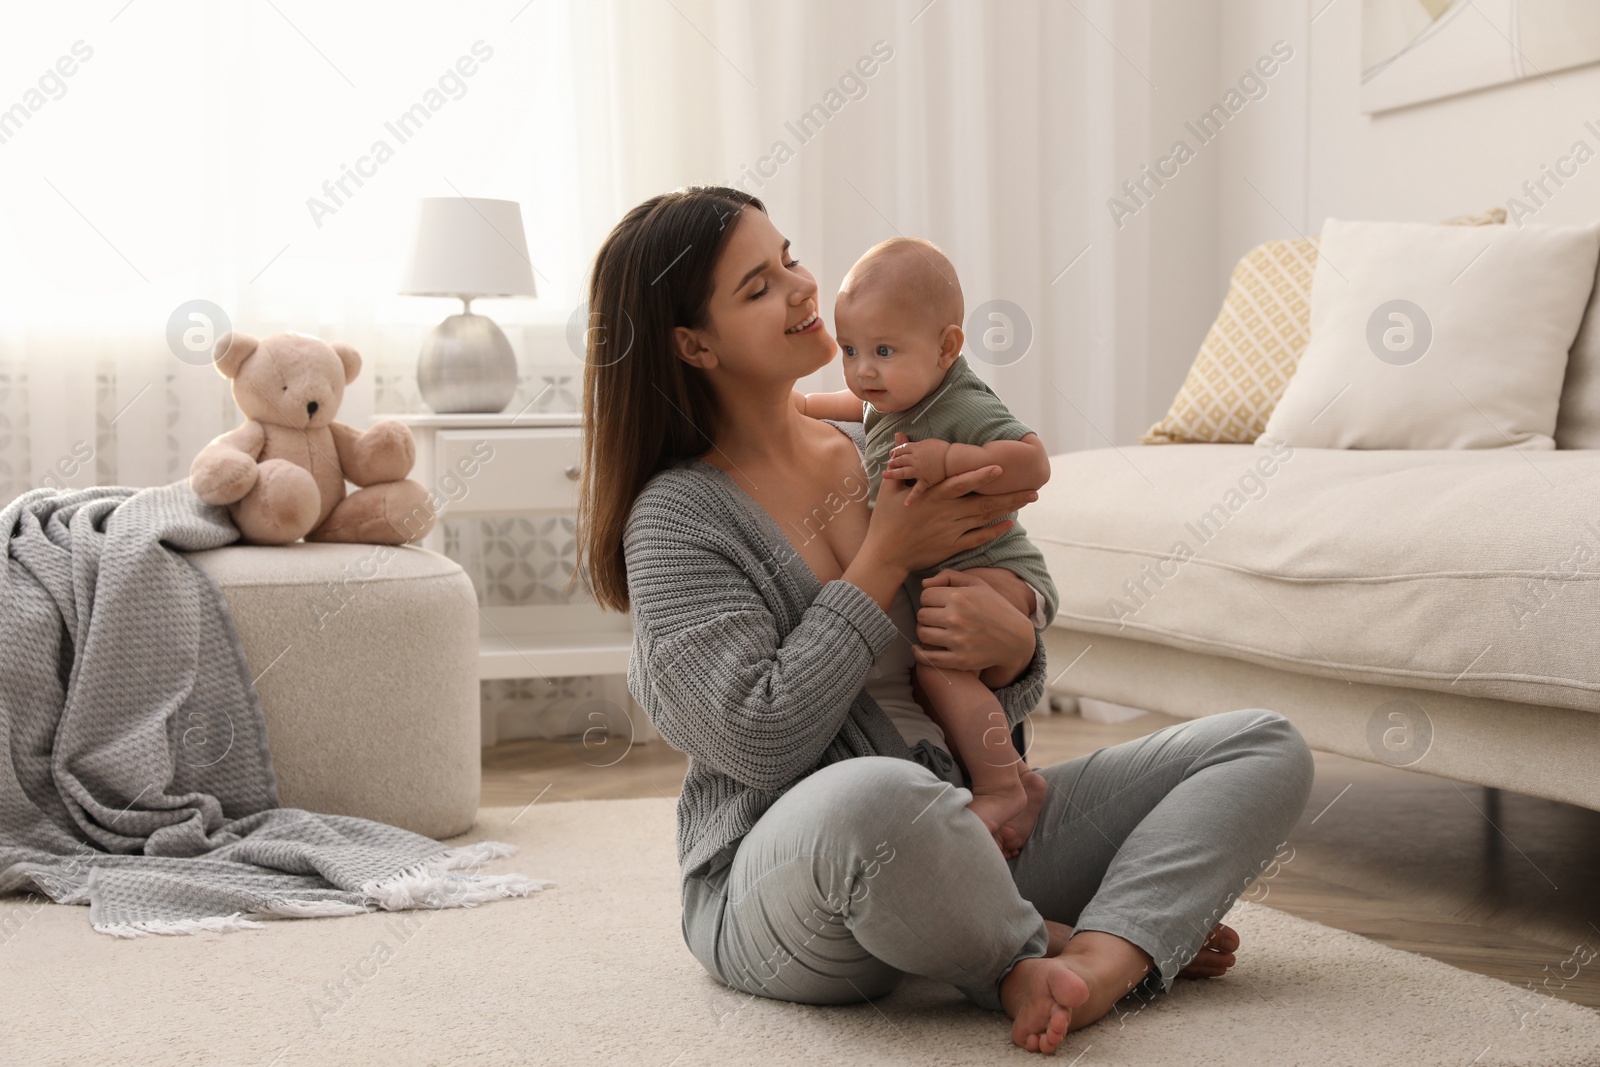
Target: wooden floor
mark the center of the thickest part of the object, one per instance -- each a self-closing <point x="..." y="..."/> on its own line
<point x="1490" y="881"/>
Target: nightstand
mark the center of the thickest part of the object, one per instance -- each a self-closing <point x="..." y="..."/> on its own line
<point x="495" y="465"/>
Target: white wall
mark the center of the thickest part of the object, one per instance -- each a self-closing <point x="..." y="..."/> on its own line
<point x="1315" y="154"/>
<point x="1152" y="267"/>
<point x="1261" y="187"/>
<point x="1173" y="254"/>
<point x="1186" y="50"/>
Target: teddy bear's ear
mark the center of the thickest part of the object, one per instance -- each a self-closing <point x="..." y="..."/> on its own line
<point x="351" y="360"/>
<point x="231" y="351"/>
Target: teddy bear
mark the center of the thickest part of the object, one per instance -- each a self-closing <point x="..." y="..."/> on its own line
<point x="282" y="473"/>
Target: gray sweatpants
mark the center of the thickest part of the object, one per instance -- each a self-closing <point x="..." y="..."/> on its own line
<point x="872" y="868"/>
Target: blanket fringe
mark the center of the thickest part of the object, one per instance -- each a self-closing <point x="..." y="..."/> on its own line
<point x="441" y="881"/>
<point x="176" y="927"/>
<point x="434" y="883"/>
<point x="308" y="909"/>
<point x="473" y="855"/>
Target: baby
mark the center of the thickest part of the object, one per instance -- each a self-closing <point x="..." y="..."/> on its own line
<point x="898" y="323"/>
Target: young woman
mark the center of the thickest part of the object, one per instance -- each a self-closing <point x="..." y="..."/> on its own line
<point x="822" y="854"/>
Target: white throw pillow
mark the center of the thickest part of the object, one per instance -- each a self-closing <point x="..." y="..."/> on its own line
<point x="1429" y="336"/>
<point x="1578" y="424"/>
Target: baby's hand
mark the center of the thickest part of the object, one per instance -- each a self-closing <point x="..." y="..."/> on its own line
<point x="921" y="461"/>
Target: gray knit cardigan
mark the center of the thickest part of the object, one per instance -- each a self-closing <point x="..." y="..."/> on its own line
<point x="744" y="662"/>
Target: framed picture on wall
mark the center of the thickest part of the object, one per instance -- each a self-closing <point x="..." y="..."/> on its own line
<point x="1417" y="50"/>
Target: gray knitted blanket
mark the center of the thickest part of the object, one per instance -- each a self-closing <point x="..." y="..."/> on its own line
<point x="134" y="771"/>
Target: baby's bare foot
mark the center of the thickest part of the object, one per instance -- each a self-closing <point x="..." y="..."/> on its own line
<point x="1039" y="994"/>
<point x="1014" y="832"/>
<point x="997" y="804"/>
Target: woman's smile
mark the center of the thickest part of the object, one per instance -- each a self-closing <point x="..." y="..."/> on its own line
<point x="806" y="325"/>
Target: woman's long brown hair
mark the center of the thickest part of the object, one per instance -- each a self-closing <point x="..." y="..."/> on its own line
<point x="644" y="409"/>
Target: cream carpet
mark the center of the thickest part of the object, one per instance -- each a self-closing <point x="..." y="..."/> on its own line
<point x="595" y="971"/>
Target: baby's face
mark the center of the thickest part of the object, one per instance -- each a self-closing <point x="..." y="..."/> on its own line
<point x="891" y="358"/>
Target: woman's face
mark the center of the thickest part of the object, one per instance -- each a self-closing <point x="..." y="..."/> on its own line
<point x="765" y="322"/>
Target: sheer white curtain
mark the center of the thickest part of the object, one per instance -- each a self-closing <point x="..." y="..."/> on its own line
<point x="198" y="153"/>
<point x="993" y="129"/>
<point x="203" y="150"/>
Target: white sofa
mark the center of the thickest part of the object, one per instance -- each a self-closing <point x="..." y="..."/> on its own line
<point x="1433" y="610"/>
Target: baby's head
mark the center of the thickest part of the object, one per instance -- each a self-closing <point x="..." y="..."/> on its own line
<point x="898" y="322"/>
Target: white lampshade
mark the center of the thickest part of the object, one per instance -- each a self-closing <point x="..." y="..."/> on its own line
<point x="468" y="247"/>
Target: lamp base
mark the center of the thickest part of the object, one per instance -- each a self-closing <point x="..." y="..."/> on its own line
<point x="467" y="367"/>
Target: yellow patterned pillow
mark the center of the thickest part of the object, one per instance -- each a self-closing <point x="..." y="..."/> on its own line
<point x="1253" y="348"/>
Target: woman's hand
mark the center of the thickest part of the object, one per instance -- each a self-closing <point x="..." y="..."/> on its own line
<point x="975" y="627"/>
<point x="922" y="528"/>
<point x="948" y="518"/>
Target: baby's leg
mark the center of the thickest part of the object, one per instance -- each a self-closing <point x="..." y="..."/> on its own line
<point x="1017" y="593"/>
<point x="1008" y="584"/>
<point x="975" y="727"/>
<point x="1015" y="832"/>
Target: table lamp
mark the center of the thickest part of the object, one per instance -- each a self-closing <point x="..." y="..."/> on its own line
<point x="468" y="247"/>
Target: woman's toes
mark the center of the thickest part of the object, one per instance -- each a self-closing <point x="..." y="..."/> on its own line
<point x="1223" y="938"/>
<point x="1201" y="967"/>
<point x="1215" y="956"/>
<point x="1060" y="1019"/>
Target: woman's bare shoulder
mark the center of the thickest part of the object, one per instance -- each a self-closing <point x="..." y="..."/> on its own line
<point x="841" y="442"/>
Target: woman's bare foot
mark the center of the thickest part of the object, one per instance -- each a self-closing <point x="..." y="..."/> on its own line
<point x="1215" y="956"/>
<point x="1040" y="994"/>
<point x="1047" y="998"/>
<point x="1014" y="832"/>
<point x="1213" y="960"/>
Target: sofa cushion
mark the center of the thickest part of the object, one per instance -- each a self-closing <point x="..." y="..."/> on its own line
<point x="1432" y="337"/>
<point x="1476" y="573"/>
<point x="1578" y="422"/>
<point x="1251" y="351"/>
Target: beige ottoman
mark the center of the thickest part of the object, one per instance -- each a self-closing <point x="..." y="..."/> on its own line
<point x="366" y="660"/>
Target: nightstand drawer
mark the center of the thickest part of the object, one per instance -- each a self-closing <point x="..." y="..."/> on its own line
<point x="510" y="470"/>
